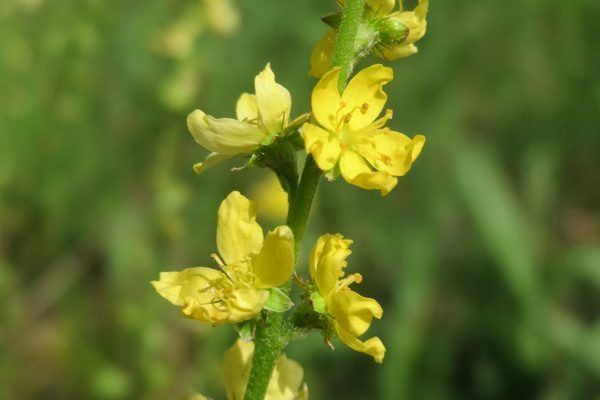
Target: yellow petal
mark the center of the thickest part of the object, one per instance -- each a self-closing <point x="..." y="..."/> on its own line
<point x="364" y="94"/>
<point x="246" y="108"/>
<point x="274" y="101"/>
<point x="225" y="135"/>
<point x="373" y="346"/>
<point x="245" y="304"/>
<point x="238" y="233"/>
<point x="271" y="200"/>
<point x="236" y="368"/>
<point x="275" y="262"/>
<point x="356" y="171"/>
<point x="390" y="151"/>
<point x="210" y="160"/>
<point x="324" y="147"/>
<point x="321" y="56"/>
<point x="396" y="52"/>
<point x="198" y="290"/>
<point x="353" y="312"/>
<point x="285" y="383"/>
<point x="326" y="101"/>
<point x="328" y="260"/>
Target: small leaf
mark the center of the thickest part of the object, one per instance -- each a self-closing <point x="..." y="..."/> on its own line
<point x="318" y="303"/>
<point x="278" y="301"/>
<point x="246" y="330"/>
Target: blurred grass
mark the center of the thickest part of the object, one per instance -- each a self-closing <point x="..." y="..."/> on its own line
<point x="486" y="258"/>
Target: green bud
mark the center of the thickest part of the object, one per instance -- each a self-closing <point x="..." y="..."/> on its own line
<point x="278" y="301"/>
<point x="391" y="31"/>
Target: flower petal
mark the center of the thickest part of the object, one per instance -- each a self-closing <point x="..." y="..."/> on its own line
<point x="224" y="135"/>
<point x="326" y="101"/>
<point x="364" y="95"/>
<point x="245" y="304"/>
<point x="322" y="54"/>
<point x="177" y="286"/>
<point x="275" y="262"/>
<point x="328" y="260"/>
<point x="210" y="160"/>
<point x="356" y="171"/>
<point x="246" y="108"/>
<point x="238" y="233"/>
<point x="353" y="312"/>
<point x="236" y="368"/>
<point x="390" y="151"/>
<point x="373" y="346"/>
<point x="324" y="147"/>
<point x="286" y="381"/>
<point x="274" y="101"/>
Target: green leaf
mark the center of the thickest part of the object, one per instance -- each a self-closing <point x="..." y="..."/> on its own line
<point x="246" y="330"/>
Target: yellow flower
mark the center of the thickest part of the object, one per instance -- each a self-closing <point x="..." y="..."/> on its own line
<point x="250" y="267"/>
<point x="221" y="16"/>
<point x="260" y="116"/>
<point x="415" y="21"/>
<point x="285" y="383"/>
<point x="271" y="199"/>
<point x="351" y="314"/>
<point x="350" y="138"/>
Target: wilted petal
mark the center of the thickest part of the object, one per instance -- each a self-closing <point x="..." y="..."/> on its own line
<point x="238" y="233"/>
<point x="373" y="346"/>
<point x="328" y="260"/>
<point x="210" y="160"/>
<point x="224" y="135"/>
<point x="353" y="312"/>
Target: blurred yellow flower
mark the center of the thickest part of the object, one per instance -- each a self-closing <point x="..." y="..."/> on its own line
<point x="351" y="314"/>
<point x="382" y="16"/>
<point x="221" y="16"/>
<point x="250" y="267"/>
<point x="350" y="140"/>
<point x="271" y="199"/>
<point x="260" y="117"/>
<point x="285" y="383"/>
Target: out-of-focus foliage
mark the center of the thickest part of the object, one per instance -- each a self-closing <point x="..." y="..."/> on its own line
<point x="486" y="259"/>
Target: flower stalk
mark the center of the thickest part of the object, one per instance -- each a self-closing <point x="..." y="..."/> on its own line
<point x="273" y="336"/>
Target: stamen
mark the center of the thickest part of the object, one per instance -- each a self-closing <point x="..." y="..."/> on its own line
<point x="364" y="108"/>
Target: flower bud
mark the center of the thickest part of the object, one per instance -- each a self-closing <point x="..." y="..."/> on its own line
<point x="391" y="31"/>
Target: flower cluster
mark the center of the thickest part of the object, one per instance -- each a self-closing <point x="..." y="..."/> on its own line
<point x="346" y="134"/>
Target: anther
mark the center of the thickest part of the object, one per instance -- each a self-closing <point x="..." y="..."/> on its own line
<point x="364" y="108"/>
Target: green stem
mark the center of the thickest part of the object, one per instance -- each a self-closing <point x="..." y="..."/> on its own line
<point x="344" y="53"/>
<point x="301" y="204"/>
<point x="274" y="334"/>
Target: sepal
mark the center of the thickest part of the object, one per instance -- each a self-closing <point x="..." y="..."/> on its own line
<point x="278" y="301"/>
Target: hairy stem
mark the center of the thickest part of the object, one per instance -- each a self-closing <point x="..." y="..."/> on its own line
<point x="272" y="337"/>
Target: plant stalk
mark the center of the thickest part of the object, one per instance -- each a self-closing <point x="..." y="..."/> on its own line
<point x="274" y="334"/>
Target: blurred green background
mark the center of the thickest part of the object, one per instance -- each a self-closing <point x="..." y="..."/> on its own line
<point x="486" y="257"/>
